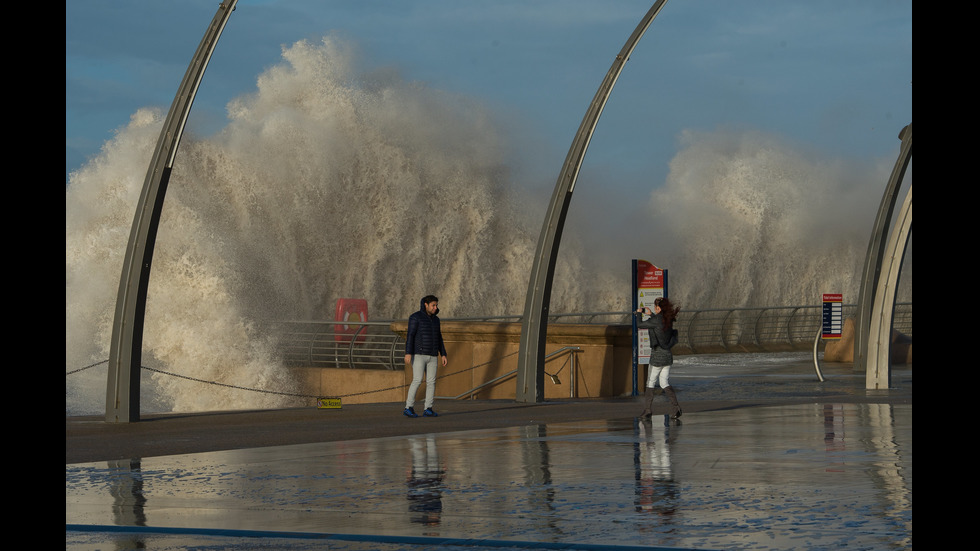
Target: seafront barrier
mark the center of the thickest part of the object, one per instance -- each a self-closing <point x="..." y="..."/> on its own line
<point x="596" y="362"/>
<point x="588" y="360"/>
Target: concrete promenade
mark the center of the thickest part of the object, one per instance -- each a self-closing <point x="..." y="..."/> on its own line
<point x="764" y="457"/>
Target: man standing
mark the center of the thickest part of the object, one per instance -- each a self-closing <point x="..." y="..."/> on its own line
<point x="424" y="350"/>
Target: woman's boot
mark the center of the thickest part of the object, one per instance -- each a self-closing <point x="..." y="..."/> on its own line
<point x="648" y="396"/>
<point x="675" y="408"/>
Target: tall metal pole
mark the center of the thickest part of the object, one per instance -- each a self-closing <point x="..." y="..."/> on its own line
<point x="534" y="327"/>
<point x="126" y="348"/>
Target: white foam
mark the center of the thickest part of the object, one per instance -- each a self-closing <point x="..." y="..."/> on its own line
<point x="328" y="183"/>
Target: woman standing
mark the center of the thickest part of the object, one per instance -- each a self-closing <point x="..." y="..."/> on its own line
<point x="663" y="337"/>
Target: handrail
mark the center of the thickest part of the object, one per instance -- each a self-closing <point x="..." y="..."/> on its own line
<point x="509" y="374"/>
<point x="372" y="345"/>
<point x="816" y="362"/>
<point x="709" y="330"/>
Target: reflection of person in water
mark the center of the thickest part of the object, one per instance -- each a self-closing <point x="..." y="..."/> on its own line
<point x="425" y="481"/>
<point x="656" y="490"/>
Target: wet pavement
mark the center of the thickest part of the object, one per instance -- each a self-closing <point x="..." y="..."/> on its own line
<point x="823" y="473"/>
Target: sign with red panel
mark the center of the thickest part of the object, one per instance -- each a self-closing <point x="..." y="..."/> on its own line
<point x="833" y="315"/>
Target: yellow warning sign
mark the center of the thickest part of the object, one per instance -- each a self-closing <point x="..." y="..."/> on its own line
<point x="328" y="403"/>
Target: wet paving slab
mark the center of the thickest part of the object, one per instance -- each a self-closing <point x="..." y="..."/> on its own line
<point x="816" y="476"/>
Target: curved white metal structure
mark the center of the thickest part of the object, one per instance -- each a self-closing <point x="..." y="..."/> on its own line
<point x="126" y="347"/>
<point x="530" y="363"/>
<point x="878" y="376"/>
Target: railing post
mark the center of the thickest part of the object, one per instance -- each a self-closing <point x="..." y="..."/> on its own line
<point x="724" y="322"/>
<point x="758" y="321"/>
<point x="571" y="391"/>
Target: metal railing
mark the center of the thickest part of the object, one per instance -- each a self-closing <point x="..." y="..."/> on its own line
<point x="607" y="318"/>
<point x="375" y="346"/>
<point x="372" y="345"/>
<point x="318" y="344"/>
<point x="763" y="329"/>
<point x="570" y="350"/>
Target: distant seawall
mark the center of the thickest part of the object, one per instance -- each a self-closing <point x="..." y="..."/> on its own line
<point x="480" y="352"/>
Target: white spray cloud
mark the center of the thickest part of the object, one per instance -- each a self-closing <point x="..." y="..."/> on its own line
<point x="329" y="183"/>
<point x="325" y="184"/>
<point x="748" y="220"/>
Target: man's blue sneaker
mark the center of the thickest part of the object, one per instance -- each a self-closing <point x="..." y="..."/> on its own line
<point x="430" y="413"/>
<point x="410" y="412"/>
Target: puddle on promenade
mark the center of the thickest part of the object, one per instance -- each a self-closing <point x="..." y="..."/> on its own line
<point x="816" y="476"/>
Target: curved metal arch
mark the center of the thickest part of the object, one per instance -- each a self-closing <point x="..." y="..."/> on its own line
<point x="876" y="250"/>
<point x="126" y="348"/>
<point x="878" y="376"/>
<point x="534" y="324"/>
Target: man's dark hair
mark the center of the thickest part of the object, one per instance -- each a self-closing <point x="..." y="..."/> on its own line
<point x="428" y="299"/>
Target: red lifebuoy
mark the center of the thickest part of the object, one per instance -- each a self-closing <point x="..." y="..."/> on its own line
<point x="350" y="310"/>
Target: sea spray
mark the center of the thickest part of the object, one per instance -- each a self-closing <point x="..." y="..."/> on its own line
<point x="195" y="325"/>
<point x="327" y="182"/>
<point x="745" y="219"/>
<point x="324" y="184"/>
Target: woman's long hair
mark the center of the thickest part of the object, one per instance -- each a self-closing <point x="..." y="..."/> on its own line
<point x="668" y="311"/>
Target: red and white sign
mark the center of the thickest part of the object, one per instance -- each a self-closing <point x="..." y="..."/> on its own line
<point x="833" y="315"/>
<point x="350" y="310"/>
<point x="649" y="283"/>
<point x="649" y="287"/>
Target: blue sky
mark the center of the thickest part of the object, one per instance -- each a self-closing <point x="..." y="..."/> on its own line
<point x="833" y="77"/>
